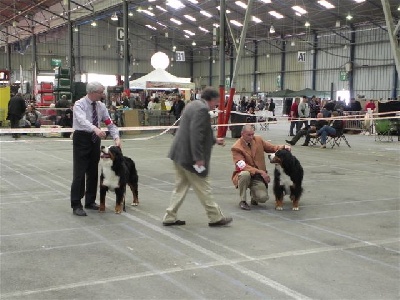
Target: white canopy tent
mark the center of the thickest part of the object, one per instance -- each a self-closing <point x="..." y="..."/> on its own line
<point x="159" y="79"/>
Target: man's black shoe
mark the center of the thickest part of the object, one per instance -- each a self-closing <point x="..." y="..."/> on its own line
<point x="243" y="205"/>
<point x="79" y="212"/>
<point x="289" y="142"/>
<point x="304" y="144"/>
<point x="93" y="206"/>
<point x="224" y="221"/>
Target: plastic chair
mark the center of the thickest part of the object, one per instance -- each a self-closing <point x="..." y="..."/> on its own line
<point x="383" y="130"/>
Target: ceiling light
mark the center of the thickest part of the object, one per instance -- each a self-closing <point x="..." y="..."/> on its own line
<point x="255" y="19"/>
<point x="152" y="0"/>
<point x="114" y="17"/>
<point x="193" y="43"/>
<point x="359" y="1"/>
<point x="174" y="48"/>
<point x="151" y="27"/>
<point x="76" y="29"/>
<point x="161" y="24"/>
<point x="307" y="24"/>
<point x="349" y="17"/>
<point x="193" y="1"/>
<point x="292" y="44"/>
<point x="130" y="14"/>
<point x="337" y="23"/>
<point x="299" y="9"/>
<point x="147" y="12"/>
<point x="161" y="8"/>
<point x="266" y="1"/>
<point x="326" y="4"/>
<point x="94" y="24"/>
<point x="150" y="7"/>
<point x="241" y="4"/>
<point x="203" y="29"/>
<point x="398" y="8"/>
<point x="189" y="32"/>
<point x="216" y="25"/>
<point x="189" y="17"/>
<point x="204" y="13"/>
<point x="176" y="21"/>
<point x="236" y="23"/>
<point x="187" y="36"/>
<point x="272" y="29"/>
<point x="176" y="4"/>
<point x="226" y="10"/>
<point x="267" y="55"/>
<point x="14" y="23"/>
<point x="275" y="14"/>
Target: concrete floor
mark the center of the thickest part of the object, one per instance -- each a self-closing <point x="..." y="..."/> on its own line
<point x="342" y="244"/>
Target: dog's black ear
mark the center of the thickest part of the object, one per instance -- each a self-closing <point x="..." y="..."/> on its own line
<point x="287" y="159"/>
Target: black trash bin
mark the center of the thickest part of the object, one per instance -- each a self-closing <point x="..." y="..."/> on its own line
<point x="236" y="130"/>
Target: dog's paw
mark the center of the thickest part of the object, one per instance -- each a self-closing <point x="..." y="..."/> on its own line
<point x="118" y="209"/>
<point x="134" y="203"/>
<point x="295" y="208"/>
<point x="279" y="208"/>
<point x="102" y="208"/>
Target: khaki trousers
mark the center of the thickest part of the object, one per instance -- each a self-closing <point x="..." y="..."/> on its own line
<point x="258" y="190"/>
<point x="185" y="179"/>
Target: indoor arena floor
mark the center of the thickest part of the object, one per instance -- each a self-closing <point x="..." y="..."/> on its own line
<point x="342" y="244"/>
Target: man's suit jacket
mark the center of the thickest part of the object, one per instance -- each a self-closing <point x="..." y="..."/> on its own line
<point x="194" y="138"/>
<point x="253" y="156"/>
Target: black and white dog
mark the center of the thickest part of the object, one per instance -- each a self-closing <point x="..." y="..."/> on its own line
<point x="288" y="178"/>
<point x="117" y="171"/>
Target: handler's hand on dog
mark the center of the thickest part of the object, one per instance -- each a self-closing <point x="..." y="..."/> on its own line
<point x="100" y="133"/>
<point x="265" y="176"/>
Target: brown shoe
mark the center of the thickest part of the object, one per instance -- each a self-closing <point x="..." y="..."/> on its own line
<point x="224" y="221"/>
<point x="243" y="205"/>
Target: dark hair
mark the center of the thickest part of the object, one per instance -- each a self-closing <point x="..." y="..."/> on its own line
<point x="209" y="93"/>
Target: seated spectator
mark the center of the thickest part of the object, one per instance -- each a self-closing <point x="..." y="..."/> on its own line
<point x="331" y="129"/>
<point x="66" y="122"/>
<point x="32" y="117"/>
<point x="248" y="155"/>
<point x="354" y="105"/>
<point x="371" y="105"/>
<point x="315" y="125"/>
<point x="251" y="118"/>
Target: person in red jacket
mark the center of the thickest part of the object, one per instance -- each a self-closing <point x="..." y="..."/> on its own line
<point x="294" y="115"/>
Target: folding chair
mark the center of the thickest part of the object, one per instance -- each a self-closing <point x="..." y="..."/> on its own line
<point x="336" y="139"/>
<point x="383" y="130"/>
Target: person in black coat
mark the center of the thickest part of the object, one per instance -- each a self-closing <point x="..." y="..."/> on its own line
<point x="16" y="110"/>
<point x="177" y="106"/>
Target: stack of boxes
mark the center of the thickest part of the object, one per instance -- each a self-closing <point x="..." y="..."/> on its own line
<point x="45" y="94"/>
<point x="62" y="84"/>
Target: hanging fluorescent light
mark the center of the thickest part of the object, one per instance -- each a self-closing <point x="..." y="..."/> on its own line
<point x="326" y="4"/>
<point x="226" y="11"/>
<point x="236" y="23"/>
<point x="292" y="44"/>
<point x="191" y="33"/>
<point x="94" y="24"/>
<point x="114" y="17"/>
<point x="189" y="17"/>
<point x="173" y="48"/>
<point x="193" y="43"/>
<point x="76" y="29"/>
<point x="161" y="8"/>
<point x="241" y="4"/>
<point x="205" y="13"/>
<point x="176" y="21"/>
<point x="255" y="19"/>
<point x="299" y="9"/>
<point x="268" y="55"/>
<point x="349" y="17"/>
<point x="272" y="29"/>
<point x="203" y="29"/>
<point x="275" y="14"/>
<point x="176" y="4"/>
<point x="307" y="24"/>
<point x="14" y="24"/>
<point x="130" y="14"/>
<point x="337" y="23"/>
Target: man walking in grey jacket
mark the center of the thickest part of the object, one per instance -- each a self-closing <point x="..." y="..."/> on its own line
<point x="191" y="154"/>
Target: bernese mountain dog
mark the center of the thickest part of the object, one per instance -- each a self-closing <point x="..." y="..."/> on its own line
<point x="288" y="178"/>
<point x="117" y="171"/>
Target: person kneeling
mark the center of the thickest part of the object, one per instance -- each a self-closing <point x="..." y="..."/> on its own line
<point x="248" y="154"/>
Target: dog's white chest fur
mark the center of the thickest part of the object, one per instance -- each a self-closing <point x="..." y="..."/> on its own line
<point x="284" y="179"/>
<point x="110" y="178"/>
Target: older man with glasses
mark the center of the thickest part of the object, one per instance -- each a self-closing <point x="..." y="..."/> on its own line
<point x="88" y="112"/>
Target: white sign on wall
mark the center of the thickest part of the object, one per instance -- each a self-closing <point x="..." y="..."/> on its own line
<point x="120" y="34"/>
<point x="301" y="56"/>
<point x="180" y="55"/>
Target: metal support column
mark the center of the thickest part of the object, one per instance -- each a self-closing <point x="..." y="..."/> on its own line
<point x="395" y="84"/>
<point x="314" y="62"/>
<point x="8" y="57"/>
<point x="392" y="32"/>
<point x="221" y="106"/>
<point x="34" y="60"/>
<point x="231" y="61"/>
<point x="352" y="54"/>
<point x="255" y="66"/>
<point x="283" y="65"/>
<point x="70" y="48"/>
<point x="210" y="69"/>
<point x="126" y="45"/>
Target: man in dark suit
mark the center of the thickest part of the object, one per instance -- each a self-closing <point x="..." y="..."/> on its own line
<point x="16" y="109"/>
<point x="191" y="153"/>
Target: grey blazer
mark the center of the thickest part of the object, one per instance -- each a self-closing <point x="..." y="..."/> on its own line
<point x="195" y="138"/>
